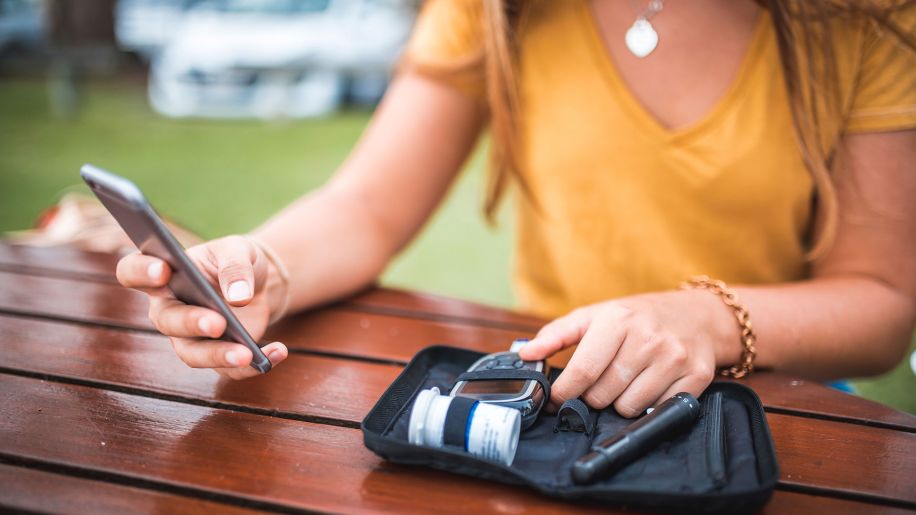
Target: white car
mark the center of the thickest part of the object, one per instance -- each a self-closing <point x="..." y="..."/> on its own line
<point x="276" y="58"/>
<point x="21" y="25"/>
<point x="145" y="26"/>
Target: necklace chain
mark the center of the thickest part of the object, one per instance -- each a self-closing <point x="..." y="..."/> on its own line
<point x="654" y="7"/>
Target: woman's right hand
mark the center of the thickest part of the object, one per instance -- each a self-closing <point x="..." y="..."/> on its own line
<point x="239" y="270"/>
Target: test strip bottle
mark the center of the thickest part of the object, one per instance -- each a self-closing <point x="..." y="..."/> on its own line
<point x="480" y="429"/>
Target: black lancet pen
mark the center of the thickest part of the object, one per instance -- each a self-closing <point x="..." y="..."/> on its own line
<point x="612" y="454"/>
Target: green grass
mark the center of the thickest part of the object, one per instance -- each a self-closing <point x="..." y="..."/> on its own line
<point x="220" y="178"/>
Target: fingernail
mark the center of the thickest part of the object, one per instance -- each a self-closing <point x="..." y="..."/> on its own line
<point x="274" y="355"/>
<point x="154" y="271"/>
<point x="232" y="358"/>
<point x="204" y="325"/>
<point x="239" y="290"/>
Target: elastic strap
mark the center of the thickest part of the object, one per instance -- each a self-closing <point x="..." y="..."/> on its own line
<point x="458" y="421"/>
<point x="574" y="416"/>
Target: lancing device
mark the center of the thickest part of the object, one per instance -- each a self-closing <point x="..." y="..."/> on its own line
<point x="612" y="454"/>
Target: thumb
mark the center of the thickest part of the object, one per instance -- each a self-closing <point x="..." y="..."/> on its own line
<point x="234" y="257"/>
<point x="557" y="335"/>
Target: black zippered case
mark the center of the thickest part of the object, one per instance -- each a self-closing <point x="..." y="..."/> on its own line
<point x="726" y="462"/>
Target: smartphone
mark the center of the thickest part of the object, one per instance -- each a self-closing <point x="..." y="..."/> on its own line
<point x="133" y="212"/>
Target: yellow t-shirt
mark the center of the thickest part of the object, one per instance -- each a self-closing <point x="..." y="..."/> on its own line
<point x="625" y="205"/>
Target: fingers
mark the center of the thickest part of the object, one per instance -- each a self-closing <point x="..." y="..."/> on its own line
<point x="557" y="335"/>
<point x="642" y="392"/>
<point x="211" y="354"/>
<point x="142" y="272"/>
<point x="629" y="364"/>
<point x="223" y="354"/>
<point x="229" y="359"/>
<point x="670" y="367"/>
<point x="694" y="385"/>
<point x="649" y="389"/>
<point x="175" y="318"/>
<point x="234" y="258"/>
<point x="276" y="352"/>
<point x="629" y="360"/>
<point x="597" y="349"/>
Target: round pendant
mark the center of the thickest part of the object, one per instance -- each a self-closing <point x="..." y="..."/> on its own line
<point x="641" y="38"/>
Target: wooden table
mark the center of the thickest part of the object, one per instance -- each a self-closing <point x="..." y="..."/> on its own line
<point x="98" y="415"/>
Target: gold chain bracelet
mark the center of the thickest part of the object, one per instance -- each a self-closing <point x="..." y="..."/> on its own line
<point x="748" y="338"/>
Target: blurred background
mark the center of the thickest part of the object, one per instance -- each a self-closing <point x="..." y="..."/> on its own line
<point x="224" y="111"/>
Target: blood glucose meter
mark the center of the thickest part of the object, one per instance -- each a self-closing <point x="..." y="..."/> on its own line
<point x="525" y="395"/>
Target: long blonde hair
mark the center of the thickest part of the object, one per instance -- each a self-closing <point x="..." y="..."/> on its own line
<point x="809" y="66"/>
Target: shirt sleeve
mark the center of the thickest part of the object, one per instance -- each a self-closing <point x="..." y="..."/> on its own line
<point x="447" y="45"/>
<point x="885" y="94"/>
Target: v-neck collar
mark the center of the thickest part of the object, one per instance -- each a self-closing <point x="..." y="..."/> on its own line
<point x="638" y="111"/>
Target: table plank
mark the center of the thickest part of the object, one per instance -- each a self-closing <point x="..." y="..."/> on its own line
<point x="100" y="303"/>
<point x="858" y="460"/>
<point x="68" y="262"/>
<point x="824" y="454"/>
<point x="306" y="386"/>
<point x="778" y="390"/>
<point x="245" y="456"/>
<point x="61" y="260"/>
<point x="785" y="503"/>
<point x="39" y="491"/>
<point x="783" y="393"/>
<point x="328" y="330"/>
<point x="147" y="361"/>
<point x="437" y="307"/>
<point x="385" y="338"/>
<point x="341" y="392"/>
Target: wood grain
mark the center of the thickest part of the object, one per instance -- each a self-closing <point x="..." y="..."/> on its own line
<point x="100" y="303"/>
<point x="59" y="260"/>
<point x="855" y="459"/>
<point x="331" y="330"/>
<point x="436" y="307"/>
<point x="804" y="458"/>
<point x="783" y="392"/>
<point x="307" y="386"/>
<point x="119" y="405"/>
<point x="385" y="338"/>
<point x="250" y="457"/>
<point x="792" y="503"/>
<point x="38" y="491"/>
<point x="66" y="262"/>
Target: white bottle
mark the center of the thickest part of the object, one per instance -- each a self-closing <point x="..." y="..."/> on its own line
<point x="492" y="431"/>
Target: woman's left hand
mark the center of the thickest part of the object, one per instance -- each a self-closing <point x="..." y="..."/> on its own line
<point x="637" y="351"/>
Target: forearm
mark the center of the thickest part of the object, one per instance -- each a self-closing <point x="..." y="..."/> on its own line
<point x="823" y="328"/>
<point x="338" y="239"/>
<point x="330" y="245"/>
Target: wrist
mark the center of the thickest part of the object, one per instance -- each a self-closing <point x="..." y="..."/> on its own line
<point x="278" y="295"/>
<point x="721" y="329"/>
<point x="277" y="287"/>
<point x="740" y="322"/>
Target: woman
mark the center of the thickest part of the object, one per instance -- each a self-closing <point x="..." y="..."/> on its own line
<point x="770" y="146"/>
